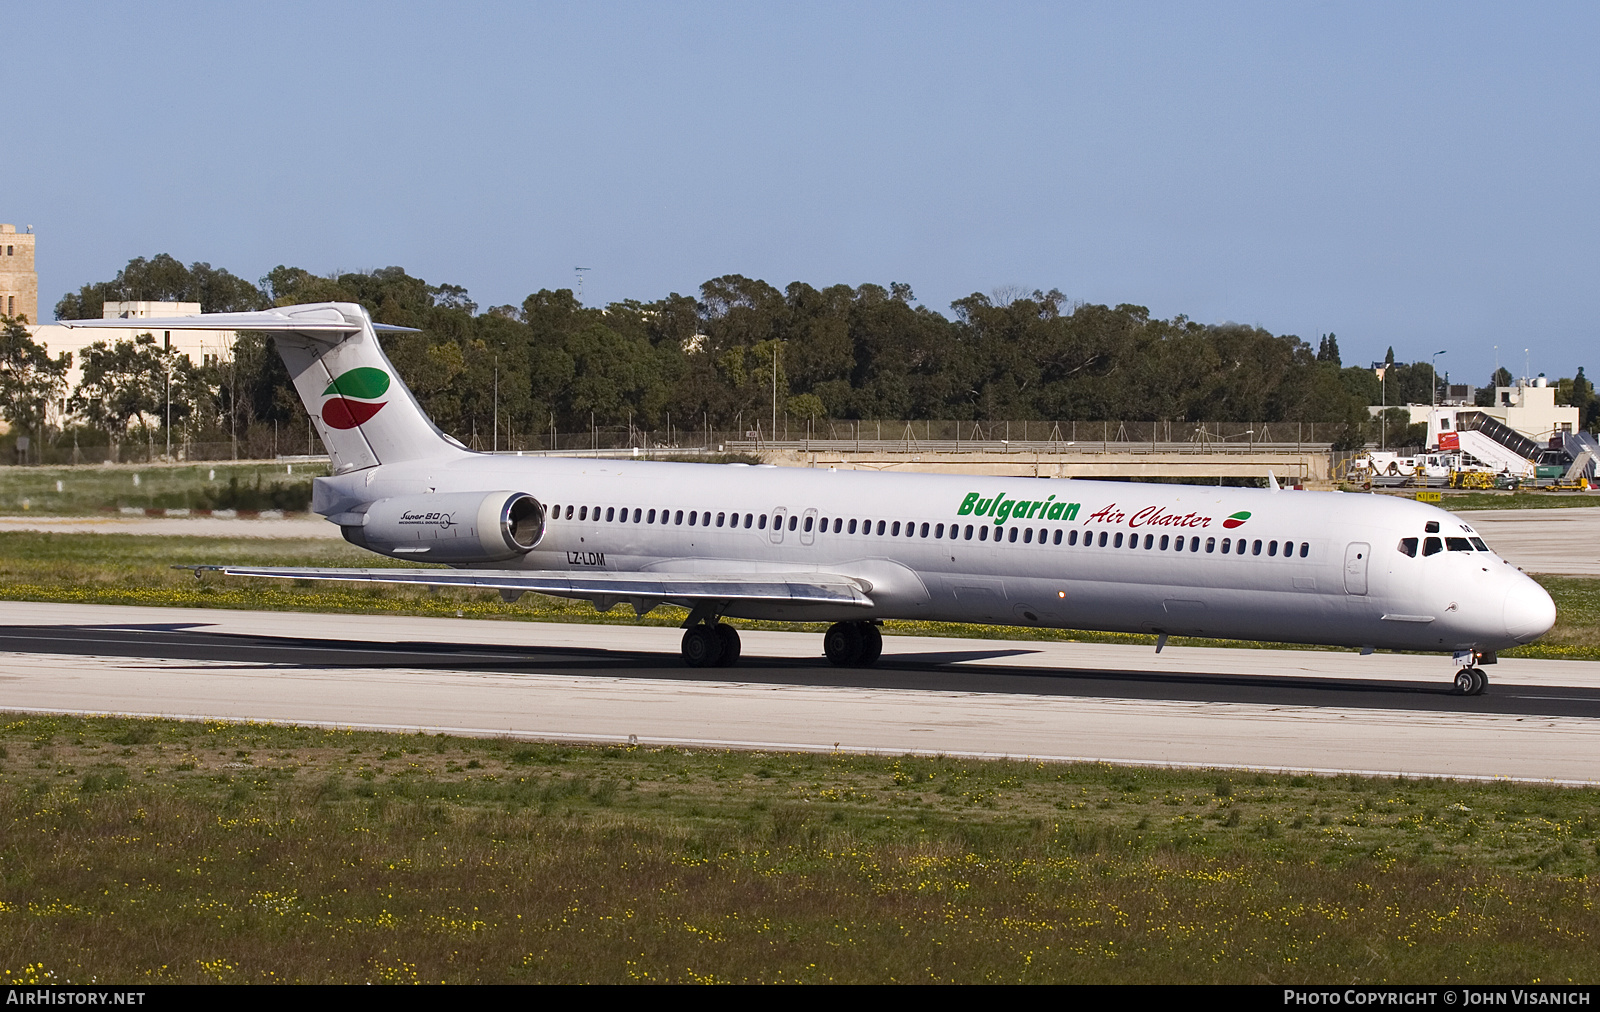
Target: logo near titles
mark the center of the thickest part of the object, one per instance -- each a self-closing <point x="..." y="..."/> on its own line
<point x="1236" y="519"/>
<point x="354" y="397"/>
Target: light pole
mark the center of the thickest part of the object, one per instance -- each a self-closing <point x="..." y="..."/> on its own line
<point x="169" y="407"/>
<point x="777" y="348"/>
<point x="1433" y="400"/>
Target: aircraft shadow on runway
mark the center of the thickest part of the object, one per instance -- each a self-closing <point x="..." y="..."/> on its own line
<point x="932" y="671"/>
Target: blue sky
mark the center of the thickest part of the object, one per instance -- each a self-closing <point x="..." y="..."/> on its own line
<point x="1416" y="175"/>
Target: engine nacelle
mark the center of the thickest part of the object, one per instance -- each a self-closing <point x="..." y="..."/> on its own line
<point x="453" y="527"/>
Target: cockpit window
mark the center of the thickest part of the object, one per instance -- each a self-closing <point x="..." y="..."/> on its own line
<point x="1431" y="527"/>
<point x="1479" y="545"/>
<point x="1458" y="544"/>
<point x="1432" y="546"/>
<point x="1408" y="546"/>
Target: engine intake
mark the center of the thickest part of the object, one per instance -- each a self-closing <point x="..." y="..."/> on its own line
<point x="453" y="527"/>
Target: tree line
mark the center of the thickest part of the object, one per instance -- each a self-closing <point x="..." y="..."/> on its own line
<point x="511" y="374"/>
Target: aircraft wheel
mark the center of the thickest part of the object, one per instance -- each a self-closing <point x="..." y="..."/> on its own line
<point x="842" y="643"/>
<point x="1482" y="680"/>
<point x="871" y="644"/>
<point x="728" y="637"/>
<point x="1466" y="682"/>
<point x="702" y="647"/>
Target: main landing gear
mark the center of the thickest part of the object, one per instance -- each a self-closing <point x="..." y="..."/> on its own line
<point x="1471" y="682"/>
<point x="853" y="644"/>
<point x="711" y="645"/>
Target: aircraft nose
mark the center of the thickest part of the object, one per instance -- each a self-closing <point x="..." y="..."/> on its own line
<point x="1529" y="611"/>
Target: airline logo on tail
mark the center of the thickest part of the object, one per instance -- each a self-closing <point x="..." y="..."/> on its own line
<point x="353" y="397"/>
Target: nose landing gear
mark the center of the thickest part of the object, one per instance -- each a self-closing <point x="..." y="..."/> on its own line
<point x="1471" y="682"/>
<point x="853" y="644"/>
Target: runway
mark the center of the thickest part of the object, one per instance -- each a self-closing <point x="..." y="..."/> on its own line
<point x="1307" y="710"/>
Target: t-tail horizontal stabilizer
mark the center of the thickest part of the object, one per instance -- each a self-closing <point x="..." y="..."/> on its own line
<point x="361" y="409"/>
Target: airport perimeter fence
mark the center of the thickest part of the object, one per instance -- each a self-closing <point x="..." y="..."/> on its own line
<point x="264" y="442"/>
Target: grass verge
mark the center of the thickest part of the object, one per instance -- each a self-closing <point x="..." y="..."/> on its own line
<point x="163" y="851"/>
<point x="117" y="569"/>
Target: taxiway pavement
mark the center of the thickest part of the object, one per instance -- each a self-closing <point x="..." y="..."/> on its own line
<point x="1321" y="711"/>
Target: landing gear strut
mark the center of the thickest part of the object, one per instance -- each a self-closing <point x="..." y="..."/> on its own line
<point x="853" y="644"/>
<point x="1471" y="682"/>
<point x="711" y="645"/>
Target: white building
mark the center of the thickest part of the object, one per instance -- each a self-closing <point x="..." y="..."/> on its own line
<point x="200" y="347"/>
<point x="1529" y="407"/>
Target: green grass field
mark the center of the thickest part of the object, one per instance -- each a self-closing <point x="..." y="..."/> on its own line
<point x="153" y="851"/>
<point x="72" y="491"/>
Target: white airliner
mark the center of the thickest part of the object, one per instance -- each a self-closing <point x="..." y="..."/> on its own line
<point x="853" y="548"/>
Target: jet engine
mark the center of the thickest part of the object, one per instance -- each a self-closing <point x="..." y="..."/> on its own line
<point x="452" y="527"/>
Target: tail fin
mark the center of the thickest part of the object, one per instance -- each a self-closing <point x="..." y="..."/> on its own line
<point x="360" y="407"/>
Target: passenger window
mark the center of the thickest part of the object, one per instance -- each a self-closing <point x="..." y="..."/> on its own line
<point x="792" y="522"/>
<point x="1013" y="538"/>
<point x="808" y="524"/>
<point x="1408" y="547"/>
<point x="838" y="525"/>
<point x="1116" y="542"/>
<point x="1305" y="549"/>
<point x="924" y="531"/>
<point x="1227" y="545"/>
<point x="1149" y="541"/>
<point x="1458" y="544"/>
<point x="1272" y="548"/>
<point x="1211" y="543"/>
<point x="938" y="531"/>
<point x="894" y="532"/>
<point x="650" y="517"/>
<point x="1255" y="548"/>
<point x="637" y="515"/>
<point x="721" y="519"/>
<point x="692" y="515"/>
<point x="583" y="512"/>
<point x="761" y="524"/>
<point x="1027" y="536"/>
<point x="1072" y="538"/>
<point x="983" y="533"/>
<point x="678" y="517"/>
<point x="1103" y="540"/>
<point x="1163" y="542"/>
<point x="569" y="512"/>
<point x="1432" y="546"/>
<point x="1478" y="543"/>
<point x="1057" y="538"/>
<point x="852" y="527"/>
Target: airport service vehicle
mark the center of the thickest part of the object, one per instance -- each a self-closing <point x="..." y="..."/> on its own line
<point x="853" y="548"/>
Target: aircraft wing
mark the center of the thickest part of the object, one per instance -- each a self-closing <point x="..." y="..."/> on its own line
<point x="644" y="590"/>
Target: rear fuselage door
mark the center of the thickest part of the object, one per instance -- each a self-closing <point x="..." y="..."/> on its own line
<point x="1355" y="567"/>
